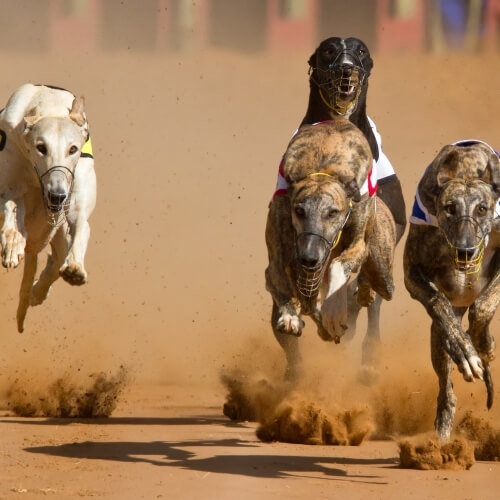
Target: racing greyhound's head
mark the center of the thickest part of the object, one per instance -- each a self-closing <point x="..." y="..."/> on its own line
<point x="340" y="69"/>
<point x="467" y="192"/>
<point x="54" y="144"/>
<point x="321" y="204"/>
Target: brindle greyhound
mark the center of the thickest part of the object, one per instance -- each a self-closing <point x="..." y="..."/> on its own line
<point x="336" y="232"/>
<point x="452" y="264"/>
<point x="339" y="73"/>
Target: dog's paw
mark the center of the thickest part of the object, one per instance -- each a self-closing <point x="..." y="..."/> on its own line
<point x="472" y="368"/>
<point x="290" y="323"/>
<point x="13" y="243"/>
<point x="486" y="348"/>
<point x="74" y="274"/>
<point x="366" y="296"/>
<point x="333" y="328"/>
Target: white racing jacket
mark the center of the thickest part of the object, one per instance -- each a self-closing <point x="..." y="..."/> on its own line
<point x="381" y="168"/>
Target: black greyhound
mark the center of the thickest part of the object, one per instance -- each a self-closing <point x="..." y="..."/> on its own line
<point x="338" y="77"/>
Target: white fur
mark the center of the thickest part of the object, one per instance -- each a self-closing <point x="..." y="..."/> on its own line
<point x="290" y="323"/>
<point x="336" y="277"/>
<point x="334" y="306"/>
<point x="37" y="115"/>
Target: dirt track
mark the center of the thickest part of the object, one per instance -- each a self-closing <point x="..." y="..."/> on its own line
<point x="186" y="150"/>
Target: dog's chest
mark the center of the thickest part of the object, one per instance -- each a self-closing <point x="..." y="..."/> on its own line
<point x="461" y="288"/>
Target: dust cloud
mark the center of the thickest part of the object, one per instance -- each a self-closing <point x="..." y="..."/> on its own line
<point x="486" y="438"/>
<point x="334" y="401"/>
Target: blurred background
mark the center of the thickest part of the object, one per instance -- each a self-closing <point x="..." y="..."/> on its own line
<point x="191" y="105"/>
<point x="260" y="25"/>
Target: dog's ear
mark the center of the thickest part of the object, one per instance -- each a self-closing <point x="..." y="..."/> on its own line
<point x="351" y="189"/>
<point x="447" y="166"/>
<point x="312" y="61"/>
<point x="77" y="113"/>
<point x="491" y="174"/>
<point x="31" y="118"/>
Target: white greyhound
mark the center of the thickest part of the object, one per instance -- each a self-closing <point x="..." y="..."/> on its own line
<point x="47" y="188"/>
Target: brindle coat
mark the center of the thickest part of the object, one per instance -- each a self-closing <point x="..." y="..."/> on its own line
<point x="319" y="204"/>
<point x="389" y="190"/>
<point x="460" y="188"/>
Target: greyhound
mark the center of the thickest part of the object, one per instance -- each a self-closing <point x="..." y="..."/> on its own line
<point x="452" y="265"/>
<point x="48" y="188"/>
<point x="338" y="230"/>
<point x="339" y="71"/>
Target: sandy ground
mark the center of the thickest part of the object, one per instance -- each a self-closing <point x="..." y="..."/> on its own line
<point x="187" y="148"/>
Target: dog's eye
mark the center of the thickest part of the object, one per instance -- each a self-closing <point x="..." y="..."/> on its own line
<point x="450" y="209"/>
<point x="333" y="212"/>
<point x="300" y="211"/>
<point x="73" y="150"/>
<point x="481" y="210"/>
<point x="362" y="52"/>
<point x="42" y="149"/>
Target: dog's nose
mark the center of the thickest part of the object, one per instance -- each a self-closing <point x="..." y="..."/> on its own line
<point x="346" y="69"/>
<point x="309" y="261"/>
<point x="56" y="199"/>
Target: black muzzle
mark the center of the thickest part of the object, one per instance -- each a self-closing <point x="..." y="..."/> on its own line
<point x="341" y="83"/>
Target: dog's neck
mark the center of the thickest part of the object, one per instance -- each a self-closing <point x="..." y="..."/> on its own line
<point x="318" y="111"/>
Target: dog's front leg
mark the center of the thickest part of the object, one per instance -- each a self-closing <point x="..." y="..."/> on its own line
<point x="480" y="316"/>
<point x="73" y="270"/>
<point x="454" y="341"/>
<point x="356" y="233"/>
<point x="83" y="198"/>
<point x="446" y="401"/>
<point x="279" y="241"/>
<point x="334" y="315"/>
<point x="13" y="234"/>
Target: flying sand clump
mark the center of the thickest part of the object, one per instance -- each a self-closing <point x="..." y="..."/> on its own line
<point x="429" y="453"/>
<point x="286" y="414"/>
<point x="68" y="399"/>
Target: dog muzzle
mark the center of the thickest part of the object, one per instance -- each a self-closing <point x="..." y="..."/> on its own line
<point x="310" y="277"/>
<point x="340" y="85"/>
<point x="56" y="202"/>
<point x="468" y="260"/>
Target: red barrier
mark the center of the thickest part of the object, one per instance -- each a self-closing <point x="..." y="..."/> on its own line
<point x="491" y="22"/>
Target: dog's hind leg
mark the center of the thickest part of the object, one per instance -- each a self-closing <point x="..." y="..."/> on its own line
<point x="353" y="309"/>
<point x="50" y="273"/>
<point x="446" y="401"/>
<point x="371" y="343"/>
<point x="30" y="264"/>
<point x="289" y="343"/>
